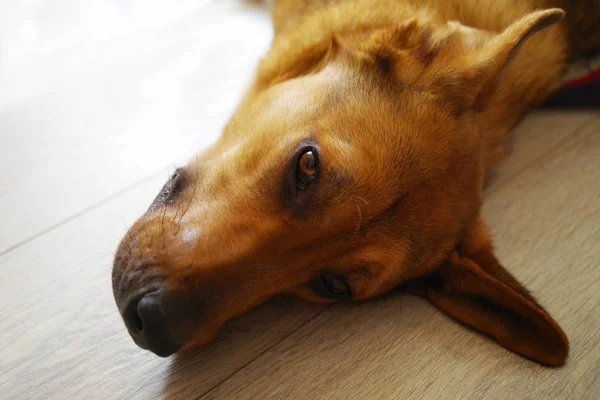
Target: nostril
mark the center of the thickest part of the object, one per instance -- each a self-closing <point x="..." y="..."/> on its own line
<point x="132" y="317"/>
<point x="141" y="311"/>
<point x="149" y="313"/>
<point x="137" y="323"/>
<point x="147" y="322"/>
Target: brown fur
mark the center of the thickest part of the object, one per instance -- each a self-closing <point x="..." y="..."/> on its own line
<point x="409" y="104"/>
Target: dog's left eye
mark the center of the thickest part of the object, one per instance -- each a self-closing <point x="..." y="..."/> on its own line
<point x="336" y="286"/>
<point x="330" y="287"/>
<point x="307" y="169"/>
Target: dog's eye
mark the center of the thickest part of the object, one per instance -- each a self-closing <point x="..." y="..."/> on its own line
<point x="335" y="285"/>
<point x="299" y="179"/>
<point x="330" y="287"/>
<point x="307" y="169"/>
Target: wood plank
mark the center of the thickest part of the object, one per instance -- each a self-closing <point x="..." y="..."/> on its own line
<point x="547" y="233"/>
<point x="97" y="98"/>
<point x="539" y="132"/>
<point x="61" y="336"/>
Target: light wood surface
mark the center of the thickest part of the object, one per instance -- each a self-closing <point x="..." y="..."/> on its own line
<point x="87" y="113"/>
<point x="83" y="157"/>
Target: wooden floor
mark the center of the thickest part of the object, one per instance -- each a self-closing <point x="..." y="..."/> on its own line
<point x="99" y="102"/>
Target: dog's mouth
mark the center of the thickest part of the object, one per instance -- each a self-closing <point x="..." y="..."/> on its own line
<point x="165" y="322"/>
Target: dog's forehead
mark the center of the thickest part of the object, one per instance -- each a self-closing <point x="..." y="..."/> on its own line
<point x="301" y="98"/>
<point x="280" y="117"/>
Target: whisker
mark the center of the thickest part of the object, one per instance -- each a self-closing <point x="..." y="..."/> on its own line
<point x="134" y="241"/>
<point x="361" y="199"/>
<point x="132" y="238"/>
<point x="164" y="214"/>
<point x="191" y="198"/>
<point x="359" y="218"/>
<point x="162" y="219"/>
<point x="176" y="211"/>
<point x="148" y="232"/>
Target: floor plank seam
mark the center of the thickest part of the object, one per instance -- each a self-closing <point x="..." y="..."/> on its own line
<point x="206" y="393"/>
<point x="78" y="214"/>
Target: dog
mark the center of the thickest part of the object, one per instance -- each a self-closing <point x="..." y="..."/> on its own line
<point x="355" y="164"/>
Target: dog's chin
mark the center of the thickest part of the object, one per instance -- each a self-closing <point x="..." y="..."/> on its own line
<point x="164" y="352"/>
<point x="198" y="342"/>
<point x="187" y="348"/>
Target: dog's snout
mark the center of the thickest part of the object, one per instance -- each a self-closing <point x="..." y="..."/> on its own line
<point x="155" y="313"/>
<point x="148" y="324"/>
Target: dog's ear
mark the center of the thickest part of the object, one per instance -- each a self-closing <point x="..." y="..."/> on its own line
<point x="296" y="61"/>
<point x="456" y="61"/>
<point x="473" y="288"/>
<point x="470" y="65"/>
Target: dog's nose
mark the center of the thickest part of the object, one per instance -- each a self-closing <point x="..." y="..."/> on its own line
<point x="148" y="324"/>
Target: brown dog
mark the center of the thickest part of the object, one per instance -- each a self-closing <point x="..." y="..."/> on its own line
<point x="355" y="163"/>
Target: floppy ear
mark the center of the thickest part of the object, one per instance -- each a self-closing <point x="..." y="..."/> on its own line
<point x="473" y="288"/>
<point x="472" y="60"/>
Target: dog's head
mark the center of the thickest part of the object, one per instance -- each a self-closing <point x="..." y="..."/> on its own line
<point x="357" y="169"/>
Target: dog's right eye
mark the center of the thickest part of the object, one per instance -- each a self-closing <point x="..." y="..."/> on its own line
<point x="307" y="169"/>
<point x="300" y="177"/>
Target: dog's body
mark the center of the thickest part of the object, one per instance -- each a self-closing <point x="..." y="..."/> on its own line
<point x="355" y="163"/>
